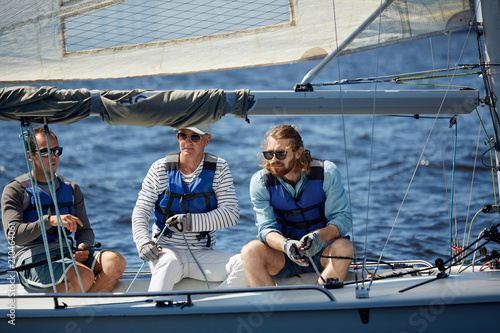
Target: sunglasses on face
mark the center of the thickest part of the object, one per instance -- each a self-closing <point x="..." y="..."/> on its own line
<point x="280" y="155"/>
<point x="57" y="151"/>
<point x="195" y="138"/>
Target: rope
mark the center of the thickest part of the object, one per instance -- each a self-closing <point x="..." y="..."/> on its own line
<point x="25" y="133"/>
<point x="51" y="186"/>
<point x="468" y="239"/>
<point x="60" y="227"/>
<point x="52" y="191"/>
<point x="404" y="78"/>
<point x="196" y="261"/>
<point x="451" y="260"/>
<point x="144" y="261"/>
<point x="314" y="266"/>
<point x="189" y="248"/>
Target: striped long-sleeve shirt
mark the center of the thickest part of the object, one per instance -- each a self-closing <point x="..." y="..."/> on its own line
<point x="225" y="215"/>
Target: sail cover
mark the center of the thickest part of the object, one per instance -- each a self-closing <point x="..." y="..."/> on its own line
<point x="61" y="40"/>
<point x="175" y="108"/>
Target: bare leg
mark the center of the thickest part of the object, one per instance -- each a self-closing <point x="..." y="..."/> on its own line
<point x="336" y="268"/>
<point x="261" y="263"/>
<point x="108" y="270"/>
<point x="86" y="275"/>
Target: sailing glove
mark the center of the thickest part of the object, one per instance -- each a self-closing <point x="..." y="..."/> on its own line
<point x="180" y="223"/>
<point x="311" y="243"/>
<point x="149" y="251"/>
<point x="291" y="249"/>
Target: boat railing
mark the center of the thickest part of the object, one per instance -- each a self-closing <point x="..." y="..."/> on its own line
<point x="162" y="298"/>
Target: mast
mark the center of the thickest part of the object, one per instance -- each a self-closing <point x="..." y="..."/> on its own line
<point x="491" y="25"/>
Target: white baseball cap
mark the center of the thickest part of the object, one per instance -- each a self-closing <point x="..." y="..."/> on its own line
<point x="204" y="129"/>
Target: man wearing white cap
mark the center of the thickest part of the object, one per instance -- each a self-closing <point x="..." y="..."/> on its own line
<point x="191" y="194"/>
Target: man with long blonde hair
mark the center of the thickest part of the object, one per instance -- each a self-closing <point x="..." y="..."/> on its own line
<point x="301" y="211"/>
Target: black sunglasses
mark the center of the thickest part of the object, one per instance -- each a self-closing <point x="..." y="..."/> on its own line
<point x="195" y="138"/>
<point x="57" y="151"/>
<point x="280" y="155"/>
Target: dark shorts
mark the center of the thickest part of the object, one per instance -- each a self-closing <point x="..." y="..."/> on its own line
<point x="38" y="280"/>
<point x="291" y="269"/>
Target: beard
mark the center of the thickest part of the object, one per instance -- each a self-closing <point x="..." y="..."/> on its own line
<point x="282" y="170"/>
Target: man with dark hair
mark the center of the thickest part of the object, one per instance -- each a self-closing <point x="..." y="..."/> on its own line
<point x="99" y="271"/>
<point x="301" y="211"/>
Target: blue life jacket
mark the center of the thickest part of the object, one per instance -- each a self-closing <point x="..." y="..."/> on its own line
<point x="179" y="198"/>
<point x="65" y="204"/>
<point x="304" y="214"/>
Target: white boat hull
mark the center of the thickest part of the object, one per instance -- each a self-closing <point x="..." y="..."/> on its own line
<point x="440" y="305"/>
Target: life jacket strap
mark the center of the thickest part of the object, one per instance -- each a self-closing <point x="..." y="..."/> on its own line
<point x="205" y="234"/>
<point x="188" y="197"/>
<point x="295" y="212"/>
<point x="281" y="218"/>
<point x="51" y="206"/>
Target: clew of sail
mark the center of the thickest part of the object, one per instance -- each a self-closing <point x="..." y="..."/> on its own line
<point x="62" y="40"/>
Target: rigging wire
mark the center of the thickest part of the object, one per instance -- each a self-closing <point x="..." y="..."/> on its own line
<point x="451" y="79"/>
<point x="51" y="186"/>
<point x="405" y="78"/>
<point x="490" y="100"/>
<point x="451" y="73"/>
<point x="453" y="188"/>
<point x="25" y="133"/>
<point x="492" y="236"/>
<point x="60" y="227"/>
<point x="475" y="161"/>
<point x="52" y="190"/>
<point x="471" y="185"/>
<point x="432" y="56"/>
<point x="345" y="137"/>
<point x="405" y="195"/>
<point x="494" y="116"/>
<point x="413" y="176"/>
<point x="491" y="166"/>
<point x="372" y="144"/>
<point x="445" y="181"/>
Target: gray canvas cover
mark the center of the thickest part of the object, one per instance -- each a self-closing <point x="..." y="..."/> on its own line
<point x="175" y="108"/>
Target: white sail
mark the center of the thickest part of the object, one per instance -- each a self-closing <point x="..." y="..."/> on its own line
<point x="61" y="40"/>
<point x="403" y="295"/>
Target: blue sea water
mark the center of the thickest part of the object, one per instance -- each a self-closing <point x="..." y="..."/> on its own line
<point x="377" y="156"/>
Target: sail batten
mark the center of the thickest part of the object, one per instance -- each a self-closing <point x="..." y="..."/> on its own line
<point x="50" y="40"/>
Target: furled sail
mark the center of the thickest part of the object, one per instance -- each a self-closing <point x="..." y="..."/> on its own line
<point x="175" y="108"/>
<point x="60" y="40"/>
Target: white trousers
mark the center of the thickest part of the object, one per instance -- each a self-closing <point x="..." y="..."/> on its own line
<point x="174" y="264"/>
